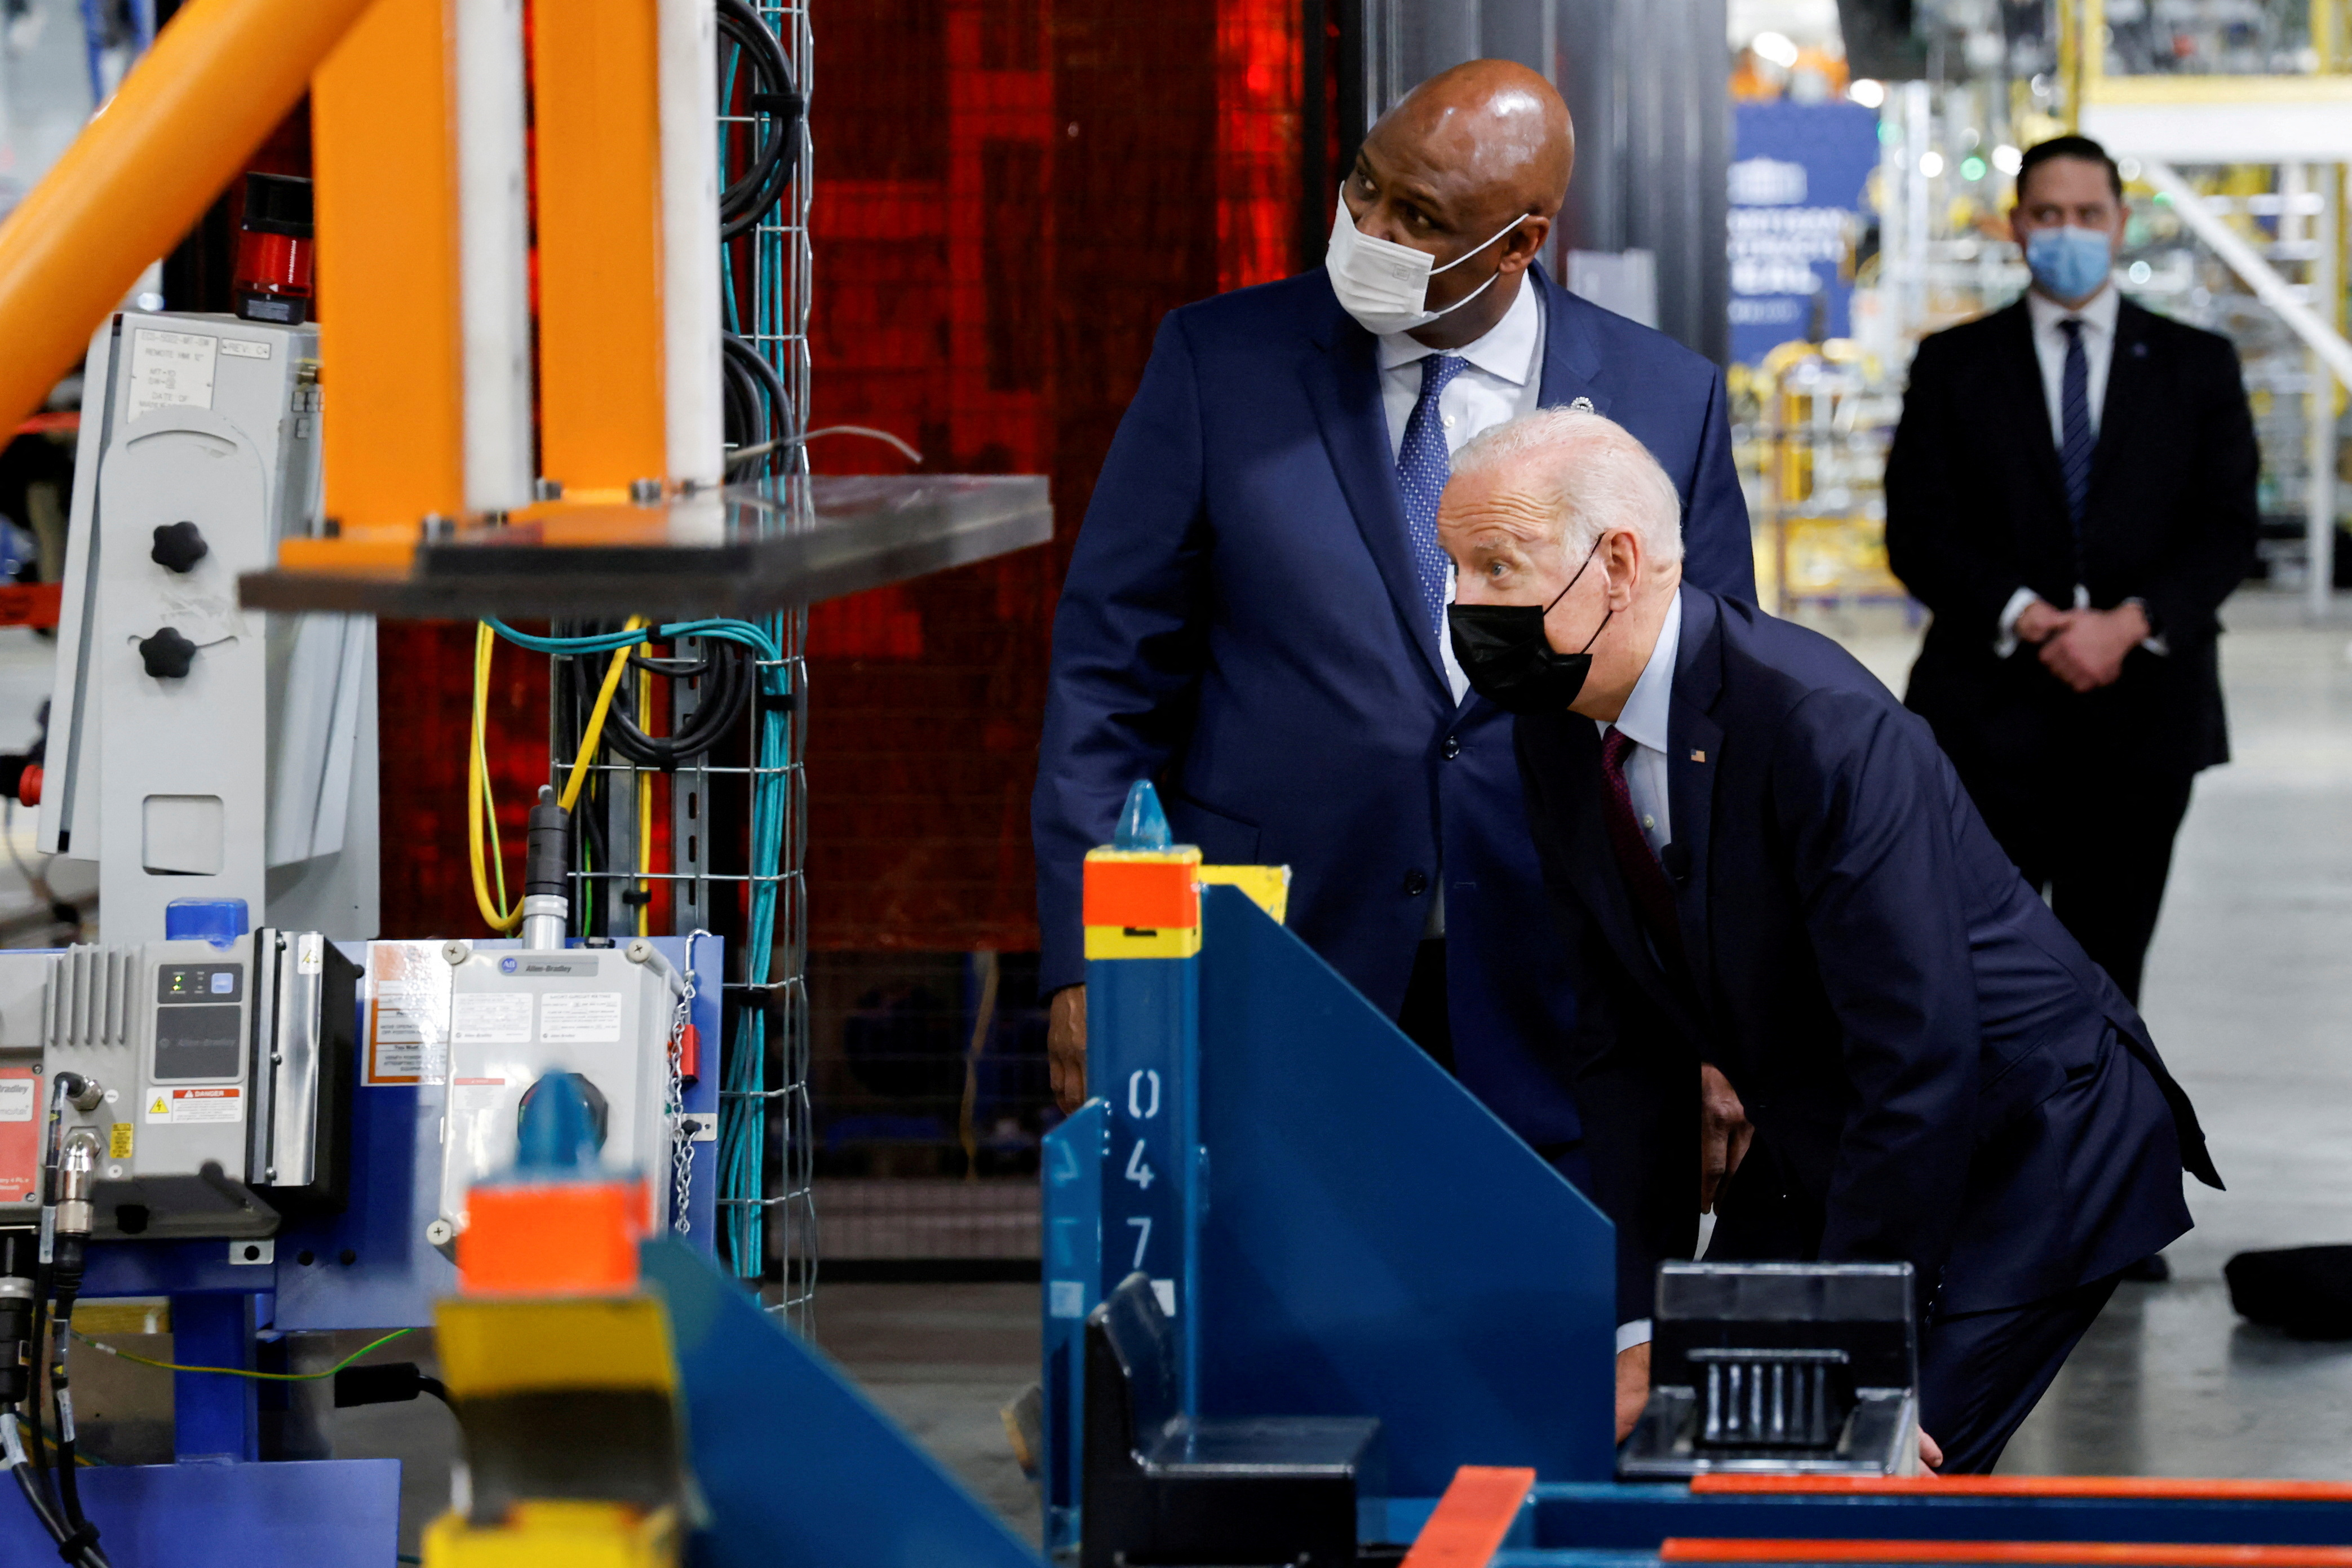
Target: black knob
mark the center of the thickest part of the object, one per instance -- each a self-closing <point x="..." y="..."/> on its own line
<point x="178" y="547"/>
<point x="167" y="655"/>
<point x="1416" y="884"/>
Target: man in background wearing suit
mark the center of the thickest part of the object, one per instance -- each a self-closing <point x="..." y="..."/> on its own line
<point x="1769" y="876"/>
<point x="2072" y="492"/>
<point x="1252" y="612"/>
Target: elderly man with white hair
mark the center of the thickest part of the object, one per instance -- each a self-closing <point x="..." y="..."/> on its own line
<point x="1820" y="1002"/>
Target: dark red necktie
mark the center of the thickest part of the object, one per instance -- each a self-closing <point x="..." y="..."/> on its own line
<point x="1645" y="879"/>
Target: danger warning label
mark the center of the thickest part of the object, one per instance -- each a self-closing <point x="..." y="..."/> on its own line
<point x="187" y="1105"/>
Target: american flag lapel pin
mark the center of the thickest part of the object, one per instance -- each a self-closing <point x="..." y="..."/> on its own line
<point x="1698" y="756"/>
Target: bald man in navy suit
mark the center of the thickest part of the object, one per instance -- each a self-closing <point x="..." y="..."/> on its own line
<point x="1254" y="612"/>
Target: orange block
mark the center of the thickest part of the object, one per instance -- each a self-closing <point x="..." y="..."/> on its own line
<point x="1471" y="1520"/>
<point x="1148" y="895"/>
<point x="552" y="1239"/>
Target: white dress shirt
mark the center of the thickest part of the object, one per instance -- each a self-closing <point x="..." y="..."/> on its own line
<point x="2048" y="316"/>
<point x="2099" y="319"/>
<point x="1644" y="722"/>
<point x="1503" y="380"/>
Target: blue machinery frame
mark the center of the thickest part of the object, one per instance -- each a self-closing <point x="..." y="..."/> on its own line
<point x="1338" y="1228"/>
<point x="369" y="1267"/>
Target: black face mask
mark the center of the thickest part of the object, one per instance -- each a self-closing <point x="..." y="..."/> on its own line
<point x="1510" y="663"/>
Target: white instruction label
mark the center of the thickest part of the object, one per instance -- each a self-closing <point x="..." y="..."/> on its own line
<point x="408" y="1013"/>
<point x="489" y="1018"/>
<point x="16" y="1100"/>
<point x="244" y="348"/>
<point x="170" y="370"/>
<point x="580" y="1018"/>
<point x="189" y="1105"/>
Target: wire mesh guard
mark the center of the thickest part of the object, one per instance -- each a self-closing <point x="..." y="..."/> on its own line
<point x="766" y="1195"/>
<point x="931" y="1091"/>
<point x="697" y="744"/>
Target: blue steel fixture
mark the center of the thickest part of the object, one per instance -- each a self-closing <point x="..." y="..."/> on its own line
<point x="1376" y="1242"/>
<point x="795" y="1464"/>
<point x="1071" y="1159"/>
<point x="1342" y="1228"/>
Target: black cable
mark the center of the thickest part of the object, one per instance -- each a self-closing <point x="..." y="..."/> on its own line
<point x="61" y="1401"/>
<point x="744" y="202"/>
<point x="743" y="421"/>
<point x="39" y="1359"/>
<point x="725" y="670"/>
<point x="753" y="379"/>
<point x="79" y="1543"/>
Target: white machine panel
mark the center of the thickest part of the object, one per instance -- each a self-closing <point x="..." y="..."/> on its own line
<point x="246" y="770"/>
<point x="517" y="1014"/>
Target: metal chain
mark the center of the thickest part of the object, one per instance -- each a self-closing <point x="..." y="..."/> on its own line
<point x="681" y="1131"/>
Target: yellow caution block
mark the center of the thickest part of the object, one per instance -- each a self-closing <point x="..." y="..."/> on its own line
<point x="494" y="1345"/>
<point x="557" y="1534"/>
<point x="1268" y="886"/>
<point x="1146" y="903"/>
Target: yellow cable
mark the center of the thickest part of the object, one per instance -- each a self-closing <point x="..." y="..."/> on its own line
<point x="644" y="813"/>
<point x="241" y="1372"/>
<point x="595" y="733"/>
<point x="478" y="805"/>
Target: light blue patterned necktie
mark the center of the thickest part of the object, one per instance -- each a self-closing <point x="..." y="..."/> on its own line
<point x="1422" y="466"/>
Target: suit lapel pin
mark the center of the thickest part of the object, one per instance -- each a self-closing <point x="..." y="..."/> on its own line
<point x="1581" y="406"/>
<point x="1698" y="756"/>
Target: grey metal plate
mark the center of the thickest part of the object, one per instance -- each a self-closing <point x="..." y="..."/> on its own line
<point x="723" y="554"/>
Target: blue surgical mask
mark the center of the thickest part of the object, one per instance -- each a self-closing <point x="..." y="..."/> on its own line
<point x="2070" y="263"/>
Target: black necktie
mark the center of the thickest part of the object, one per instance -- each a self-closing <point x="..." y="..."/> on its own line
<point x="2076" y="442"/>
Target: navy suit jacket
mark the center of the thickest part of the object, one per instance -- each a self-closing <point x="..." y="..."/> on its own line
<point x="1243" y="624"/>
<point x="1976" y="507"/>
<point x="1936" y="1072"/>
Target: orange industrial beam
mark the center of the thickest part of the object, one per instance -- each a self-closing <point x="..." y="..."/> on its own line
<point x="1473" y="1520"/>
<point x="596" y="107"/>
<point x="220" y="77"/>
<point x="2194" y="1489"/>
<point x="384" y="152"/>
<point x="2017" y="1553"/>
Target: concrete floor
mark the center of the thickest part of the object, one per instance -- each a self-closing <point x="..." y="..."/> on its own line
<point x="2246" y="996"/>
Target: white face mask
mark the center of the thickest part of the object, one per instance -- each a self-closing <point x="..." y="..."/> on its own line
<point x="1384" y="285"/>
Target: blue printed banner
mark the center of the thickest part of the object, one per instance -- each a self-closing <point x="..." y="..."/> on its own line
<point x="1799" y="176"/>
